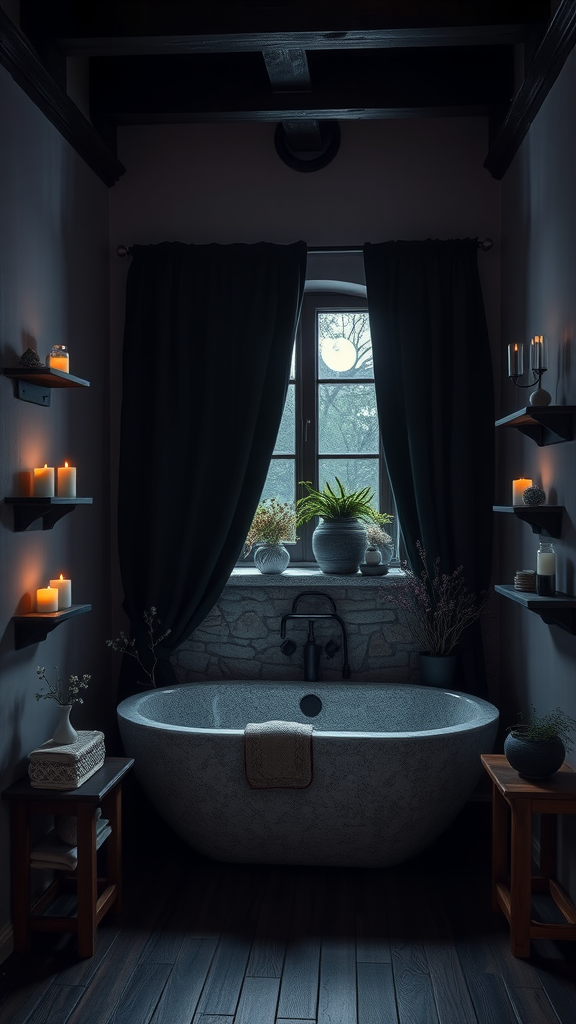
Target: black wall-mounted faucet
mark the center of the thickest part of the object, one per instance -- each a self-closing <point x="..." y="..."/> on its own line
<point x="313" y="650"/>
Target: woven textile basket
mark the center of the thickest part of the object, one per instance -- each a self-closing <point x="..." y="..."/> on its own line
<point x="69" y="765"/>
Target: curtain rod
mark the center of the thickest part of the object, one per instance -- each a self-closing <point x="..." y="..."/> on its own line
<point x="485" y="245"/>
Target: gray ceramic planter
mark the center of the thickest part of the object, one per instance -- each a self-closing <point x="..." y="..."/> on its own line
<point x="339" y="545"/>
<point x="534" y="759"/>
<point x="437" y="669"/>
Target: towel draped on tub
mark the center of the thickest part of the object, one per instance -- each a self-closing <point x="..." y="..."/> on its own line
<point x="278" y="755"/>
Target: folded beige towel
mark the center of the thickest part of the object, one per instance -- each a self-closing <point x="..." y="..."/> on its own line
<point x="53" y="853"/>
<point x="278" y="755"/>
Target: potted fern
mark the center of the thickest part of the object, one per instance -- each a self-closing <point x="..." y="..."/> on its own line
<point x="339" y="540"/>
<point x="536" y="746"/>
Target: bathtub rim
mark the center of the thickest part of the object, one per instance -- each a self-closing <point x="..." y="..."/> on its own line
<point x="488" y="713"/>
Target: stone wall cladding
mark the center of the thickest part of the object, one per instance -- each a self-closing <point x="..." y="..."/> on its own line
<point x="240" y="638"/>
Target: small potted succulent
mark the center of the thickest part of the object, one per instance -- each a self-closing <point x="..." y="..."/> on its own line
<point x="339" y="541"/>
<point x="536" y="746"/>
<point x="273" y="525"/>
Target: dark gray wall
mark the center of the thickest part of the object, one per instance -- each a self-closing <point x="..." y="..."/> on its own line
<point x="538" y="662"/>
<point x="54" y="288"/>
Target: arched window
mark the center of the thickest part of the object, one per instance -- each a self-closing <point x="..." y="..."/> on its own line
<point x="330" y="424"/>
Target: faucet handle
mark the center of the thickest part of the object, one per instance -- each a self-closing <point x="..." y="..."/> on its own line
<point x="332" y="648"/>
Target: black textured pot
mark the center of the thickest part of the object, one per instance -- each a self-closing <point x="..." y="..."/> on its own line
<point x="534" y="759"/>
<point x="437" y="669"/>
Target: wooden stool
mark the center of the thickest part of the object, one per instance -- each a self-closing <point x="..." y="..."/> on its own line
<point x="511" y="891"/>
<point x="95" y="896"/>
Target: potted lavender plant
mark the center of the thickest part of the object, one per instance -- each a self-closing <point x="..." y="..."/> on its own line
<point x="438" y="607"/>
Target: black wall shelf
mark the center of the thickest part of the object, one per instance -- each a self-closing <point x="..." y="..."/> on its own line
<point x="547" y="424"/>
<point x="544" y="519"/>
<point x="34" y="383"/>
<point x="34" y="627"/>
<point x="49" y="510"/>
<point x="559" y="610"/>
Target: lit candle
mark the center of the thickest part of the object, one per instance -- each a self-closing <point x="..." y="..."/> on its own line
<point x="46" y="600"/>
<point x="64" y="590"/>
<point x="518" y="488"/>
<point x="515" y="360"/>
<point x="66" y="481"/>
<point x="44" y="482"/>
<point x="538" y="356"/>
<point x="59" y="358"/>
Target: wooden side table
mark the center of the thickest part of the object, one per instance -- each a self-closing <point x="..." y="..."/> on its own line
<point x="95" y="896"/>
<point x="512" y="886"/>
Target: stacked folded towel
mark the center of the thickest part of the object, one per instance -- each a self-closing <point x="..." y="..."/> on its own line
<point x="278" y="755"/>
<point x="52" y="853"/>
<point x="67" y="765"/>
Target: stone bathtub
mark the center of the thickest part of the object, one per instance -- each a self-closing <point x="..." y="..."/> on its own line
<point x="393" y="765"/>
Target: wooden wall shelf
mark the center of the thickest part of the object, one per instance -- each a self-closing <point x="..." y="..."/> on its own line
<point x="34" y="383"/>
<point x="34" y="627"/>
<point x="547" y="424"/>
<point x="544" y="519"/>
<point x="49" y="510"/>
<point x="559" y="610"/>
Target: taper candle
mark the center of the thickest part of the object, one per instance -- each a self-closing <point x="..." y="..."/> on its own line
<point x="44" y="482"/>
<point x="66" y="476"/>
<point x="64" y="590"/>
<point x="46" y="600"/>
<point x="515" y="360"/>
<point x="518" y="488"/>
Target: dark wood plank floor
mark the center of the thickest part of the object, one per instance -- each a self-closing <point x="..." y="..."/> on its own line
<point x="206" y="943"/>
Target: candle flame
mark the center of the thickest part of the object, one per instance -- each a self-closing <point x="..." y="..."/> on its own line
<point x="66" y="465"/>
<point x="45" y="465"/>
<point x="61" y="576"/>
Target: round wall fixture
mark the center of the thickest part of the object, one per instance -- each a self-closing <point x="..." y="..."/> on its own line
<point x="308" y="160"/>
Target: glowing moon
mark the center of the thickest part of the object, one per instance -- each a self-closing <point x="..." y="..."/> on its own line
<point x="338" y="353"/>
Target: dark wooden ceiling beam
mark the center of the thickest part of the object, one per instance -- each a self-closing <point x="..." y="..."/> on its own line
<point x="557" y="44"/>
<point x="242" y="42"/>
<point x="72" y="21"/>
<point x="255" y="111"/>
<point x="20" y="60"/>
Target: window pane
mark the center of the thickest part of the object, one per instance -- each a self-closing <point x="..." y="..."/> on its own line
<point x="344" y="345"/>
<point x="280" y="482"/>
<point x="286" y="440"/>
<point x="347" y="419"/>
<point x="354" y="474"/>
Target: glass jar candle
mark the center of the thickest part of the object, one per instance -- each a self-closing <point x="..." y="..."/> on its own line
<point x="545" y="569"/>
<point x="59" y="359"/>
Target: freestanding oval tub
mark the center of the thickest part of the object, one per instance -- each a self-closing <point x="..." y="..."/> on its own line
<point x="392" y="767"/>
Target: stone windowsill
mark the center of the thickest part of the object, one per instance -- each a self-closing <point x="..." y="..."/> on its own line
<point x="296" y="576"/>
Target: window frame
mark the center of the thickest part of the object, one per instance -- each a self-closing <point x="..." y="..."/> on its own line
<point x="305" y="383"/>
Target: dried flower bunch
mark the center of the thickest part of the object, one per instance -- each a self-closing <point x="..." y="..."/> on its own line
<point x="556" y="724"/>
<point x="338" y="503"/>
<point x="124" y="645"/>
<point x="274" y="521"/>
<point x="376" y="536"/>
<point x="56" y="691"/>
<point x="438" y="606"/>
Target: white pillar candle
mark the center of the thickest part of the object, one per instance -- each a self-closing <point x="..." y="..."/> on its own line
<point x="515" y="360"/>
<point x="46" y="600"/>
<point x="546" y="563"/>
<point x="44" y="482"/>
<point x="518" y="488"/>
<point x="64" y="590"/>
<point x="66" y="481"/>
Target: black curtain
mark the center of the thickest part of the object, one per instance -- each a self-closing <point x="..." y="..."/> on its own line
<point x="434" y="393"/>
<point x="208" y="341"/>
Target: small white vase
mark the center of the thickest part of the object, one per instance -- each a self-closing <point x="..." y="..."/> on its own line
<point x="64" y="731"/>
<point x="271" y="558"/>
